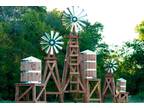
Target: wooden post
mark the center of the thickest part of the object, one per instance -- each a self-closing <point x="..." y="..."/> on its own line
<point x="109" y="84"/>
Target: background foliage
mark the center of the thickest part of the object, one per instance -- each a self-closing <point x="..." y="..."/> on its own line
<point x="20" y="32"/>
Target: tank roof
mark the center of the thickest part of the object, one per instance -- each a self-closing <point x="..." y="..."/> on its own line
<point x="31" y="59"/>
<point x="88" y="52"/>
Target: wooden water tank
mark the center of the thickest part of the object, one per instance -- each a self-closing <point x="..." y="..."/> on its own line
<point x="121" y="85"/>
<point x="88" y="64"/>
<point x="30" y="70"/>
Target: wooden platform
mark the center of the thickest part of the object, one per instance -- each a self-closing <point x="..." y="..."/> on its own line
<point x="93" y="90"/>
<point x="27" y="93"/>
<point x="122" y="97"/>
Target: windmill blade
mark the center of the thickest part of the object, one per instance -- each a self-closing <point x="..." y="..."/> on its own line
<point x="66" y="14"/>
<point x="61" y="43"/>
<point x="58" y="46"/>
<point x="79" y="27"/>
<point x="51" y="50"/>
<point x="55" y="49"/>
<point x="56" y="35"/>
<point x="52" y="34"/>
<point x="44" y="47"/>
<point x="73" y="10"/>
<point x="81" y="12"/>
<point x="44" y="38"/>
<point x="47" y="50"/>
<point x="70" y="11"/>
<point x="47" y="36"/>
<point x="59" y="38"/>
<point x="43" y="42"/>
<point x="82" y="23"/>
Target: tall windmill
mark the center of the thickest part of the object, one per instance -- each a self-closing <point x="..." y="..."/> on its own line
<point x="51" y="44"/>
<point x="109" y="83"/>
<point x="74" y="19"/>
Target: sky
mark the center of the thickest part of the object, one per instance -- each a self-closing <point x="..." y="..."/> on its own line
<point x="119" y="17"/>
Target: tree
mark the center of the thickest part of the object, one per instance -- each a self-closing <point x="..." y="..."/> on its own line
<point x="140" y="30"/>
<point x="20" y="31"/>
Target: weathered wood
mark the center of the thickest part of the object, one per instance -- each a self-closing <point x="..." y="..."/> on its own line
<point x="25" y="92"/>
<point x="109" y="84"/>
<point x="122" y="97"/>
<point x="95" y="89"/>
<point x="72" y="72"/>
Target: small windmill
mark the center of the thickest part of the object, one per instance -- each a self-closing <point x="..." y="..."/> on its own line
<point x="110" y="67"/>
<point x="51" y="44"/>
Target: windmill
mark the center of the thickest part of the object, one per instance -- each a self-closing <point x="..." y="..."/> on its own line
<point x="51" y="44"/>
<point x="74" y="19"/>
<point x="110" y="67"/>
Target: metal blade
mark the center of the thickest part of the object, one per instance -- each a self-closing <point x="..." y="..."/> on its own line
<point x="51" y="51"/>
<point x="52" y="34"/>
<point x="82" y="16"/>
<point x="47" y="50"/>
<point x="82" y="11"/>
<point x="58" y="46"/>
<point x="81" y="23"/>
<point x="44" y="38"/>
<point x="43" y="42"/>
<point x="44" y="47"/>
<point x="56" y="35"/>
<point x="47" y="36"/>
<point x="59" y="38"/>
<point x="56" y="50"/>
<point x="61" y="43"/>
<point x="69" y="11"/>
<point x="73" y="10"/>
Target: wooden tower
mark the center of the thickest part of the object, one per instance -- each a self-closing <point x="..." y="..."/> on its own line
<point x="72" y="79"/>
<point x="75" y="19"/>
<point x="51" y="71"/>
<point x="109" y="84"/>
<point x="50" y="44"/>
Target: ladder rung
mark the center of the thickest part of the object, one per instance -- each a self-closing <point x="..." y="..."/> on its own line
<point x="74" y="73"/>
<point x="74" y="91"/>
<point x="74" y="46"/>
<point x="74" y="55"/>
<point x="73" y="64"/>
<point x="74" y="82"/>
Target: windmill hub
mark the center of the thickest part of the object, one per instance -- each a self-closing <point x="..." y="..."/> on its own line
<point x="52" y="42"/>
<point x="74" y="19"/>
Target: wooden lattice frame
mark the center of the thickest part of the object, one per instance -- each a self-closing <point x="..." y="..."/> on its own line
<point x="122" y="97"/>
<point x="30" y="89"/>
<point x="109" y="84"/>
<point x="51" y="70"/>
<point x="96" y="89"/>
<point x="72" y="74"/>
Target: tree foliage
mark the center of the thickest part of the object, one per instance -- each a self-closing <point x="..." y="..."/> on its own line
<point x="20" y="32"/>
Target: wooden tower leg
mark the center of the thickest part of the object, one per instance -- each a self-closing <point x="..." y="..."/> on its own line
<point x="109" y="84"/>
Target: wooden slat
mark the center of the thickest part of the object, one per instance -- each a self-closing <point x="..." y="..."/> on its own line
<point x="53" y="93"/>
<point x="25" y="92"/>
